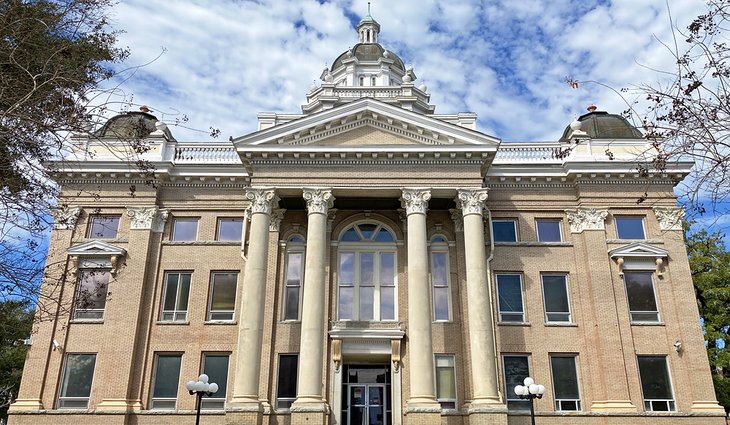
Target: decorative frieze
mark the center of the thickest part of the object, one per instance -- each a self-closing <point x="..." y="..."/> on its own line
<point x="276" y="216"/>
<point x="415" y="201"/>
<point x="471" y="201"/>
<point x="319" y="200"/>
<point x="147" y="218"/>
<point x="263" y="200"/>
<point x="670" y="218"/>
<point x="65" y="218"/>
<point x="586" y="219"/>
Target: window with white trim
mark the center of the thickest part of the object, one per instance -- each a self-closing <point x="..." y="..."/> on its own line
<point x="565" y="383"/>
<point x="294" y="277"/>
<point x="78" y="375"/>
<point x="215" y="365"/>
<point x="185" y="229"/>
<point x="504" y="230"/>
<point x="367" y="273"/>
<point x="516" y="369"/>
<point x="440" y="279"/>
<point x="548" y="230"/>
<point x="641" y="296"/>
<point x="222" y="303"/>
<point x="166" y="381"/>
<point x="445" y="380"/>
<point x="656" y="385"/>
<point x="229" y="229"/>
<point x="91" y="293"/>
<point x="175" y="297"/>
<point x="556" y="299"/>
<point x="286" y="384"/>
<point x="103" y="226"/>
<point x="630" y="227"/>
<point x="509" y="289"/>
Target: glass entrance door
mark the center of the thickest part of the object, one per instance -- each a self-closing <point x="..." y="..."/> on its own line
<point x="366" y="404"/>
<point x="366" y="395"/>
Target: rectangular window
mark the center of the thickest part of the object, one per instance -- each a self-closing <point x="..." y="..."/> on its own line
<point x="229" y="229"/>
<point x="440" y="280"/>
<point x="91" y="293"/>
<point x="222" y="296"/>
<point x="175" y="298"/>
<point x="555" y="294"/>
<point x="504" y="230"/>
<point x="640" y="293"/>
<point x="630" y="227"/>
<point x="78" y="374"/>
<point x="185" y="229"/>
<point x="446" y="381"/>
<point x="549" y="231"/>
<point x="565" y="383"/>
<point x="509" y="288"/>
<point x="366" y="284"/>
<point x="286" y="385"/>
<point x="656" y="384"/>
<point x="292" y="290"/>
<point x="103" y="226"/>
<point x="215" y="365"/>
<point x="516" y="369"/>
<point x="166" y="381"/>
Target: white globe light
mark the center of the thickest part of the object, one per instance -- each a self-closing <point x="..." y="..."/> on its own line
<point x="529" y="381"/>
<point x="203" y="378"/>
<point x="199" y="386"/>
<point x="541" y="389"/>
<point x="206" y="387"/>
<point x="213" y="388"/>
<point x="190" y="385"/>
<point x="518" y="389"/>
<point x="534" y="388"/>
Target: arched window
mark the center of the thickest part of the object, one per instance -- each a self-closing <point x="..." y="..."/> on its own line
<point x="373" y="81"/>
<point x="294" y="276"/>
<point x="366" y="275"/>
<point x="440" y="278"/>
<point x="362" y="81"/>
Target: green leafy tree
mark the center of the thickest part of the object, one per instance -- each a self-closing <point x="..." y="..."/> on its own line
<point x="16" y="322"/>
<point x="710" y="264"/>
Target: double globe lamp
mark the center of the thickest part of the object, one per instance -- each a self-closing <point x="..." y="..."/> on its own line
<point x="200" y="388"/>
<point x="530" y="391"/>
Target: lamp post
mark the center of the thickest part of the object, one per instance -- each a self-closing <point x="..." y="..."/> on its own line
<point x="201" y="388"/>
<point x="530" y="391"/>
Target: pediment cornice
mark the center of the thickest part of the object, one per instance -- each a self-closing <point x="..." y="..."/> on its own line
<point x="95" y="248"/>
<point x="639" y="249"/>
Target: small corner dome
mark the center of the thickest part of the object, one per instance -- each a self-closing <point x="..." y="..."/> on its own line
<point x="602" y="125"/>
<point x="131" y="125"/>
<point x="368" y="52"/>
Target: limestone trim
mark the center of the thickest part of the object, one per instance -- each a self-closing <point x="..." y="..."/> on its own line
<point x="64" y="218"/>
<point x="263" y="200"/>
<point x="458" y="218"/>
<point x="147" y="218"/>
<point x="415" y="201"/>
<point x="670" y="218"/>
<point x="319" y="200"/>
<point x="277" y="215"/>
<point x="586" y="219"/>
<point x="471" y="201"/>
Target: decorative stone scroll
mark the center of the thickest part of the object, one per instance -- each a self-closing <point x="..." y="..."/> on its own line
<point x="670" y="218"/>
<point x="586" y="219"/>
<point x="415" y="201"/>
<point x="319" y="200"/>
<point x="65" y="218"/>
<point x="458" y="219"/>
<point x="471" y="201"/>
<point x="395" y="354"/>
<point x="276" y="216"/>
<point x="263" y="200"/>
<point x="147" y="218"/>
<point x="337" y="353"/>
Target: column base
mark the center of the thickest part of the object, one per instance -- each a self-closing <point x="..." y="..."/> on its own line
<point x="613" y="406"/>
<point x="119" y="404"/>
<point x="24" y="404"/>
<point x="707" y="406"/>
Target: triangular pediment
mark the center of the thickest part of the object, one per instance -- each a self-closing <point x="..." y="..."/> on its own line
<point x="95" y="248"/>
<point x="639" y="249"/>
<point x="366" y="122"/>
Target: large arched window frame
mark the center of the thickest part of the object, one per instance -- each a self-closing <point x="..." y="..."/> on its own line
<point x="367" y="273"/>
<point x="440" y="278"/>
<point x="293" y="278"/>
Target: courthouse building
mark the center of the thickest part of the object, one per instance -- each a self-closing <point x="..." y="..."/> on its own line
<point x="369" y="261"/>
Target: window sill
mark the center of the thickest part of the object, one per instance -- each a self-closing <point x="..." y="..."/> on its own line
<point x="86" y="321"/>
<point x="647" y="323"/>
<point x="202" y="243"/>
<point x="513" y="323"/>
<point x="534" y="243"/>
<point x="561" y="325"/>
<point x="220" y="322"/>
<point x="171" y="322"/>
<point x="290" y="322"/>
<point x="442" y="322"/>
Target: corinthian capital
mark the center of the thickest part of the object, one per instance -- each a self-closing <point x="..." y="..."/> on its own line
<point x="262" y="199"/>
<point x="586" y="219"/>
<point x="471" y="201"/>
<point x="147" y="218"/>
<point x="319" y="200"/>
<point x="670" y="218"/>
<point x="415" y="201"/>
<point x="65" y="218"/>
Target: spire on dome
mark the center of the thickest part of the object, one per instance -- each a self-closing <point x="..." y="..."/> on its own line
<point x="368" y="29"/>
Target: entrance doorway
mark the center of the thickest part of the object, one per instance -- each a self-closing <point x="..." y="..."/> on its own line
<point x="367" y="398"/>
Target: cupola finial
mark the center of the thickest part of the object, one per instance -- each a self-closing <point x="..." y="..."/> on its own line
<point x="368" y="29"/>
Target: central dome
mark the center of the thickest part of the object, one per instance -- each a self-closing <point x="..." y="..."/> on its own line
<point x="368" y="52"/>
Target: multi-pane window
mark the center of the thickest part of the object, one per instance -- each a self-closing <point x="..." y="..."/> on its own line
<point x="215" y="365"/>
<point x="286" y="385"/>
<point x="222" y="296"/>
<point x="185" y="229"/>
<point x="175" y="297"/>
<point x="629" y="227"/>
<point x="366" y="274"/>
<point x="229" y="229"/>
<point x="509" y="288"/>
<point x="565" y="383"/>
<point x="78" y="374"/>
<point x="294" y="277"/>
<point x="549" y="230"/>
<point x="166" y="381"/>
<point x="91" y="294"/>
<point x="103" y="226"/>
<point x="516" y="369"/>
<point x="640" y="293"/>
<point x="446" y="381"/>
<point x="555" y="294"/>
<point x="504" y="230"/>
<point x="656" y="384"/>
<point x="440" y="278"/>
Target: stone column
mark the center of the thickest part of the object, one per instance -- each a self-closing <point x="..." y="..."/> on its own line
<point x="310" y="407"/>
<point x="481" y="320"/>
<point x="420" y="349"/>
<point x="250" y="328"/>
